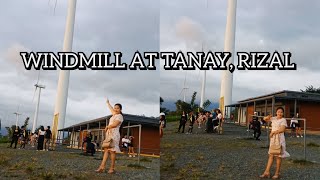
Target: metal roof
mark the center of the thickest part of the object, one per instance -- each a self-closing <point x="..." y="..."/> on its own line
<point x="151" y="121"/>
<point x="285" y="94"/>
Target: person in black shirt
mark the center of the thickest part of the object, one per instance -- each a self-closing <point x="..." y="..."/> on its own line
<point x="15" y="137"/>
<point x="256" y="127"/>
<point x="47" y="138"/>
<point x="183" y="121"/>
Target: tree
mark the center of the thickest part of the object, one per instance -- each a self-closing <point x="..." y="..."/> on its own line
<point x="26" y="122"/>
<point x="311" y="89"/>
<point x="163" y="109"/>
<point x="10" y="130"/>
<point x="206" y="104"/>
<point x="182" y="106"/>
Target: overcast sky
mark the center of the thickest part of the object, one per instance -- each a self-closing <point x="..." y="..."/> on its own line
<point x="32" y="25"/>
<point x="288" y="25"/>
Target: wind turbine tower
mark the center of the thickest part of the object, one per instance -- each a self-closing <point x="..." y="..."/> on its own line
<point x="184" y="89"/>
<point x="63" y="83"/>
<point x="35" y="119"/>
<point x="203" y="88"/>
<point x="17" y="116"/>
<point x="229" y="41"/>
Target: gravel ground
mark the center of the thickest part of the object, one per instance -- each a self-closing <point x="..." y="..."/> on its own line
<point x="70" y="164"/>
<point x="233" y="155"/>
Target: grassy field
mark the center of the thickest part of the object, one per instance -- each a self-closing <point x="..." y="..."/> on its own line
<point x="70" y="164"/>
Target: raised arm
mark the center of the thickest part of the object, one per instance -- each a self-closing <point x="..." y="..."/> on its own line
<point x="267" y="118"/>
<point x="110" y="107"/>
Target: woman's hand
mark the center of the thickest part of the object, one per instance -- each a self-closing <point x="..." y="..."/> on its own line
<point x="106" y="129"/>
<point x="271" y="134"/>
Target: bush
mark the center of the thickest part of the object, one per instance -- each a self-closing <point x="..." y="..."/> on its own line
<point x="4" y="139"/>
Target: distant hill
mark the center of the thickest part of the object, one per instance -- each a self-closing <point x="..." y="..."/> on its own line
<point x="172" y="106"/>
<point x="3" y="132"/>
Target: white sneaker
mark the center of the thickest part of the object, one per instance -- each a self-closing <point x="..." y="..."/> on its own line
<point x="298" y="136"/>
<point x="130" y="156"/>
<point x="134" y="156"/>
<point x="301" y="136"/>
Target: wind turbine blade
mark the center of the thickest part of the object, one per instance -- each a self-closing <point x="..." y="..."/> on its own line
<point x="55" y="5"/>
<point x="181" y="91"/>
<point x="34" y="93"/>
<point x="185" y="79"/>
<point x="38" y="77"/>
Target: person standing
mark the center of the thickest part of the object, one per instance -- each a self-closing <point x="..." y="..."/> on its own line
<point x="183" y="120"/>
<point x="130" y="145"/>
<point x="113" y="129"/>
<point x="298" y="127"/>
<point x="191" y="122"/>
<point x="209" y="123"/>
<point x="220" y="120"/>
<point x="47" y="138"/>
<point x="41" y="133"/>
<point x="15" y="137"/>
<point x="33" y="138"/>
<point x="279" y="125"/>
<point x="256" y="127"/>
<point x="162" y="124"/>
<point x="24" y="137"/>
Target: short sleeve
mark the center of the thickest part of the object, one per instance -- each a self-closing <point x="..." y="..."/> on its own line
<point x="119" y="117"/>
<point x="283" y="122"/>
<point x="273" y="119"/>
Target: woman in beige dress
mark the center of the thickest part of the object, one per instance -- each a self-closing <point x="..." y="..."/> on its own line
<point x="279" y="125"/>
<point x="113" y="128"/>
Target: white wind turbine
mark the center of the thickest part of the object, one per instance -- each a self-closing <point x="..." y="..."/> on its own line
<point x="203" y="88"/>
<point x="17" y="116"/>
<point x="35" y="119"/>
<point x="184" y="89"/>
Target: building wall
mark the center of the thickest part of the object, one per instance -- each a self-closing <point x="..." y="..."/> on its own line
<point x="310" y="111"/>
<point x="150" y="140"/>
<point x="250" y="112"/>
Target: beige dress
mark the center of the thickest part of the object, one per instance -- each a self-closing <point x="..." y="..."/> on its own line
<point x="114" y="132"/>
<point x="276" y="124"/>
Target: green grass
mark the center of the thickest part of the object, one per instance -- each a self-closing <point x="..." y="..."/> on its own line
<point x="312" y="144"/>
<point x="145" y="159"/>
<point x="4" y="160"/>
<point x="4" y="139"/>
<point x="170" y="118"/>
<point x="302" y="162"/>
<point x="137" y="166"/>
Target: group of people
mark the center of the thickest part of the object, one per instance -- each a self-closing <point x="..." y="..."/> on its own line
<point x="42" y="138"/>
<point x="127" y="145"/>
<point x="295" y="127"/>
<point x="212" y="121"/>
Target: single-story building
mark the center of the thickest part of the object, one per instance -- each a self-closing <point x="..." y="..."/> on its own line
<point x="307" y="105"/>
<point x="150" y="140"/>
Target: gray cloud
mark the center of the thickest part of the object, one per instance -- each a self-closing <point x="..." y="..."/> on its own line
<point x="99" y="26"/>
<point x="261" y="26"/>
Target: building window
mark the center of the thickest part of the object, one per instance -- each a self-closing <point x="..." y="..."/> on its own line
<point x="292" y="111"/>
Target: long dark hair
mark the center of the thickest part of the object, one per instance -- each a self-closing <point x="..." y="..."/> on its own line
<point x="120" y="106"/>
<point x="280" y="108"/>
